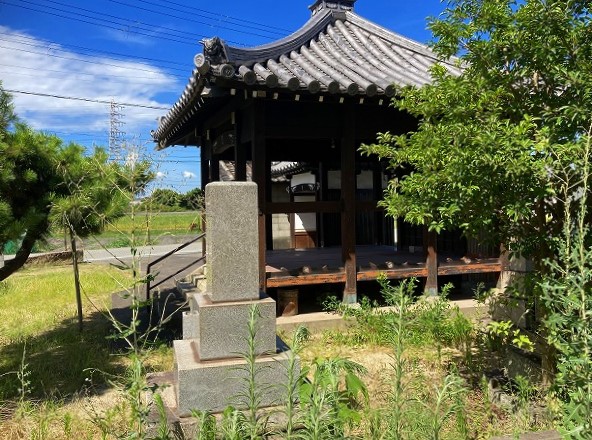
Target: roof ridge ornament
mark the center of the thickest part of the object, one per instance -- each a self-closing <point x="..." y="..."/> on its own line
<point x="214" y="50"/>
<point x="334" y="5"/>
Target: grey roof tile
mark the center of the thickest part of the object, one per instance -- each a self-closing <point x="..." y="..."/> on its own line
<point x="335" y="52"/>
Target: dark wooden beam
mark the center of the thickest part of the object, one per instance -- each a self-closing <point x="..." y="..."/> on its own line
<point x="493" y="265"/>
<point x="268" y="220"/>
<point x="430" y="244"/>
<point x="222" y="116"/>
<point x="206" y="150"/>
<point x="393" y="274"/>
<point x="348" y="198"/>
<point x="301" y="207"/>
<point x="302" y="280"/>
<point x="260" y="175"/>
<point x="368" y="205"/>
<point x="302" y="132"/>
<point x="320" y="206"/>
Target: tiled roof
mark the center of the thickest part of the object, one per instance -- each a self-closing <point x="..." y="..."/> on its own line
<point x="335" y="52"/>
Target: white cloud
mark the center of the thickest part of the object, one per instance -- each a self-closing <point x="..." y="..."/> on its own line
<point x="31" y="64"/>
<point x="188" y="175"/>
<point x="160" y="175"/>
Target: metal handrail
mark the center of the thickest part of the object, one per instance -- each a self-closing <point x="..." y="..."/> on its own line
<point x="150" y="286"/>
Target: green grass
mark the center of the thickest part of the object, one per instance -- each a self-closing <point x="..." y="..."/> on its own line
<point x="159" y="222"/>
<point x="38" y="318"/>
<point x="164" y="226"/>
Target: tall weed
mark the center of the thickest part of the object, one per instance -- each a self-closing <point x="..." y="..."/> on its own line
<point x="567" y="296"/>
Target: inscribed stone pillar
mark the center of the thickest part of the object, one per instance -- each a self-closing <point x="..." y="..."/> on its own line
<point x="232" y="244"/>
<point x="210" y="372"/>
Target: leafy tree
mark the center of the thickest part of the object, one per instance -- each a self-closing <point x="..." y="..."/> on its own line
<point x="29" y="180"/>
<point x="165" y="197"/>
<point x="493" y="143"/>
<point x="41" y="179"/>
<point x="492" y="140"/>
<point x="567" y="294"/>
<point x="192" y="200"/>
<point x="7" y="115"/>
<point x="91" y="199"/>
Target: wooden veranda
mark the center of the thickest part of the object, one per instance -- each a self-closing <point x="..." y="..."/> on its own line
<point x="298" y="267"/>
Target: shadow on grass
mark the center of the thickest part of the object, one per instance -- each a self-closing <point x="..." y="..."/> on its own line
<point x="62" y="362"/>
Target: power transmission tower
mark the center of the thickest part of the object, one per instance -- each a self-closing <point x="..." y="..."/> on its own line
<point x="116" y="135"/>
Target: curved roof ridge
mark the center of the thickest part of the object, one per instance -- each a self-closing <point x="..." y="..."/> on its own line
<point x="257" y="54"/>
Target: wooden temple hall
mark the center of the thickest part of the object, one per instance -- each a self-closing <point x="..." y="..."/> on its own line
<point x="291" y="115"/>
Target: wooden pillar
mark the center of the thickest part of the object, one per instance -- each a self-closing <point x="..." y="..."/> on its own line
<point x="322" y="196"/>
<point x="260" y="175"/>
<point x="205" y="155"/>
<point x="205" y="173"/>
<point x="430" y="244"/>
<point x="268" y="217"/>
<point x="215" y="168"/>
<point x="348" y="201"/>
<point x="378" y="232"/>
<point x="240" y="155"/>
<point x="505" y="275"/>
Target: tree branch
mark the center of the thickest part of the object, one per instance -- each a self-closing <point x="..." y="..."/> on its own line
<point x="34" y="233"/>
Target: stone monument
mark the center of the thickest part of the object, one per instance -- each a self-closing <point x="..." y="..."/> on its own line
<point x="210" y="372"/>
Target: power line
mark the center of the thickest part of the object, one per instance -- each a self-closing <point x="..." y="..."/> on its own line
<point x="73" y="75"/>
<point x="133" y="26"/>
<point x="123" y="21"/>
<point x="197" y="21"/>
<point x="99" y="24"/>
<point x="222" y="16"/>
<point x="87" y="61"/>
<point x="126" y="57"/>
<point x="76" y="98"/>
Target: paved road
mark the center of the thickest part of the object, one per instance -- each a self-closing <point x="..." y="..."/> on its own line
<point x="145" y="252"/>
<point x="122" y="256"/>
<point x="181" y="259"/>
<point x="112" y="255"/>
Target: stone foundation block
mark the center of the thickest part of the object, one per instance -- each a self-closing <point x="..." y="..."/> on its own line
<point x="213" y="385"/>
<point x="221" y="328"/>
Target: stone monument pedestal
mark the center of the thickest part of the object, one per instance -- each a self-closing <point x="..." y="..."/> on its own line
<point x="211" y="362"/>
<point x="215" y="384"/>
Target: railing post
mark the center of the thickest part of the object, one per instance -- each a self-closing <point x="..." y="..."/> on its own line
<point x="168" y="254"/>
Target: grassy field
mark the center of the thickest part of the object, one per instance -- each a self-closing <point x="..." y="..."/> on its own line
<point x="53" y="378"/>
<point x="56" y="383"/>
<point x="158" y="222"/>
<point x="38" y="327"/>
<point x="150" y="228"/>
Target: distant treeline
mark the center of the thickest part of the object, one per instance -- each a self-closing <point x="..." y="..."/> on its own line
<point x="171" y="200"/>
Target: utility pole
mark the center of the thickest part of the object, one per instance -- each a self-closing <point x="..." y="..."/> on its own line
<point x="116" y="135"/>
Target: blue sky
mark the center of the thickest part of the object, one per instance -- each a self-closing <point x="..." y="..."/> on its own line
<point x="140" y="53"/>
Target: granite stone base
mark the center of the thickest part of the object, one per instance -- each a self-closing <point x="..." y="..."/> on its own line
<point x="221" y="328"/>
<point x="213" y="385"/>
